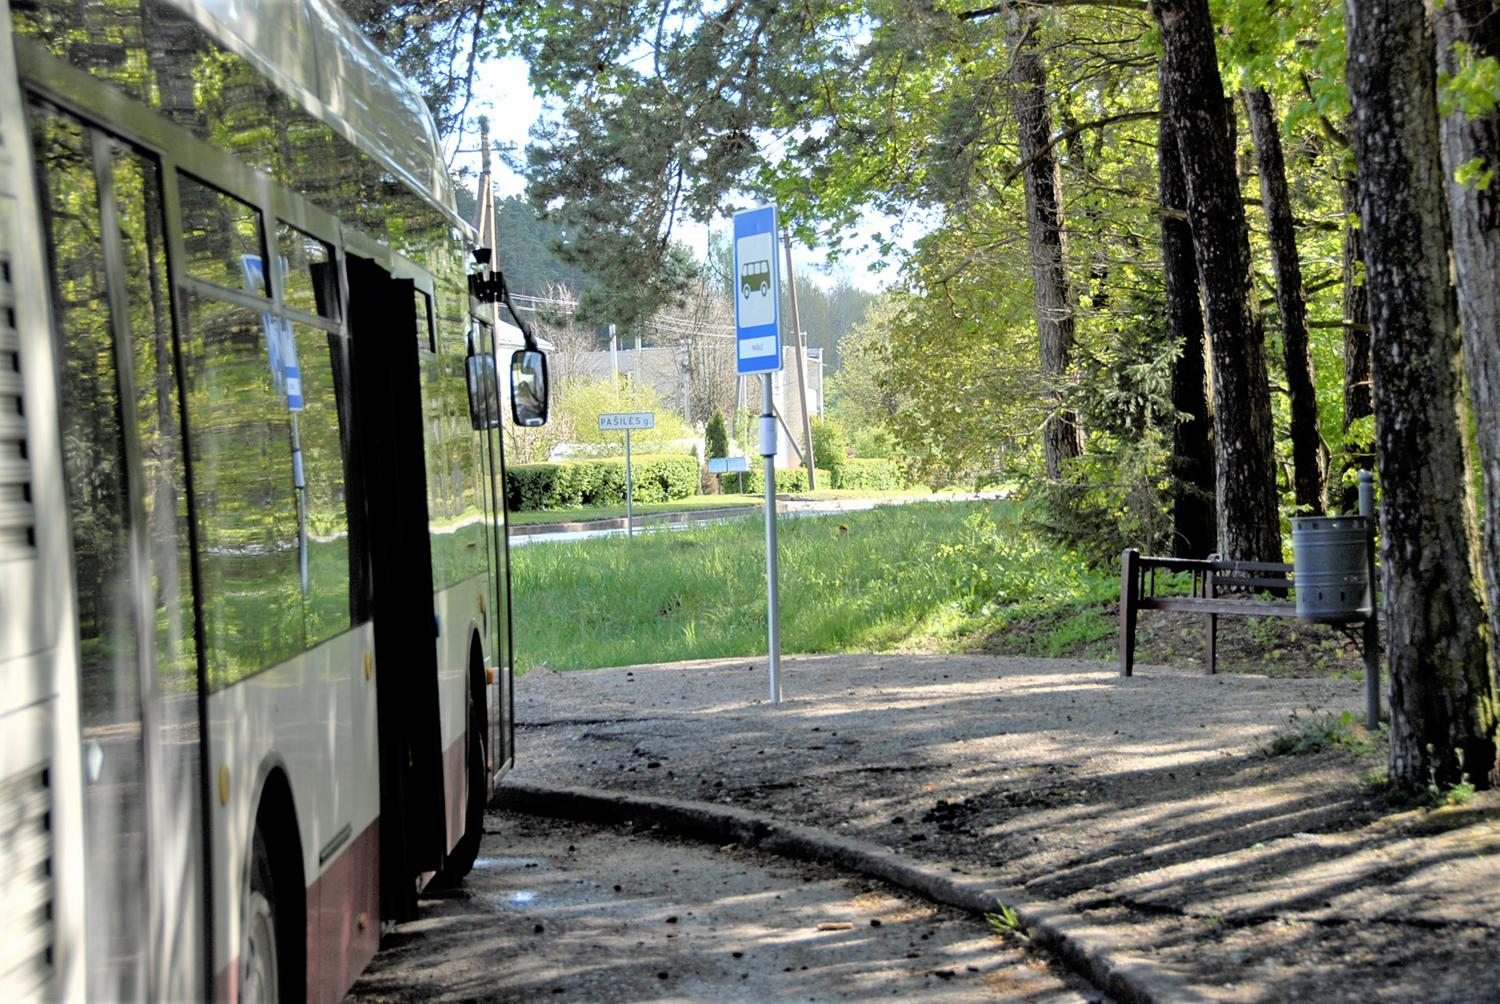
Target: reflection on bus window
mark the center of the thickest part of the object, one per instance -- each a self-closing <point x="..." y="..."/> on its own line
<point x="246" y="506"/>
<point x="327" y="600"/>
<point x="425" y="341"/>
<point x="221" y="238"/>
<point x="176" y="822"/>
<point x="94" y="464"/>
<point x="308" y="279"/>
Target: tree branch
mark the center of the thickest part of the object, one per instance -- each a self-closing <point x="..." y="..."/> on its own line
<point x="1069" y="133"/>
<point x="1005" y="5"/>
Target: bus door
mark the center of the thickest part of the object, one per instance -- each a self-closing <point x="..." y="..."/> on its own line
<point x="393" y="482"/>
<point x="125" y="469"/>
<point x="500" y="738"/>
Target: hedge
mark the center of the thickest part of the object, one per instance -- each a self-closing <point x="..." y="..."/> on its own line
<point x="788" y="480"/>
<point x="855" y="474"/>
<point x="575" y="483"/>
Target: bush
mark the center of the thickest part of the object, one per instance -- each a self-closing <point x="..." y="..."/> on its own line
<point x="716" y="437"/>
<point x="829" y="444"/>
<point x="575" y="483"/>
<point x="868" y="476"/>
<point x="787" y="480"/>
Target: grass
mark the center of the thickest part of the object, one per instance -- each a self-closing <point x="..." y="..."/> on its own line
<point x="918" y="575"/>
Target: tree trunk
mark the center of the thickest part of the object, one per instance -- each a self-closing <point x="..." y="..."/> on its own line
<point x="1062" y="439"/>
<point x="1442" y="693"/>
<point x="1475" y="215"/>
<point x="1193" y="527"/>
<point x="1309" y="455"/>
<point x="1358" y="396"/>
<point x="1192" y="98"/>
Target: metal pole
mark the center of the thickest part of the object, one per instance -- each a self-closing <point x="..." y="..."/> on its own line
<point x="629" y="516"/>
<point x="807" y="458"/>
<point x="614" y="358"/>
<point x="773" y="600"/>
<point x="1371" y="639"/>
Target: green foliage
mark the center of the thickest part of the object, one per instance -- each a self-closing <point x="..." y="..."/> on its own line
<point x="1331" y="731"/>
<point x="1005" y="920"/>
<point x="867" y="475"/>
<point x="830" y="444"/>
<point x="1460" y="792"/>
<point x="789" y="480"/>
<point x="873" y="442"/>
<point x="579" y="405"/>
<point x="716" y="436"/>
<point x="576" y="483"/>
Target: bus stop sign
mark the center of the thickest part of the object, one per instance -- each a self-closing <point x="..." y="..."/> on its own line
<point x="757" y="318"/>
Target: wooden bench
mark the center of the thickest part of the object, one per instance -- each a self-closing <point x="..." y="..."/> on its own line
<point x="1220" y="588"/>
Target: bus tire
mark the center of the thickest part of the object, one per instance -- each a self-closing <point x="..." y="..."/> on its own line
<point x="460" y="860"/>
<point x="261" y="961"/>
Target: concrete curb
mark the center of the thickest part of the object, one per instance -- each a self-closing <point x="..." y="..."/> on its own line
<point x="1088" y="949"/>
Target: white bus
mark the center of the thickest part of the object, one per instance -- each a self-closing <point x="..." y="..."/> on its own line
<point x="255" y="659"/>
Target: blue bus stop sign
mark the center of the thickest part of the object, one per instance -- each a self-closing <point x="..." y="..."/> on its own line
<point x="757" y="319"/>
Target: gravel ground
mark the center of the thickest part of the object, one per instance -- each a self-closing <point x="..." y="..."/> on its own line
<point x="573" y="912"/>
<point x="1146" y="806"/>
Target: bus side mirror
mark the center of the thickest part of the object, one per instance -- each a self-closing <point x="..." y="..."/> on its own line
<point x="528" y="388"/>
<point x="484" y="391"/>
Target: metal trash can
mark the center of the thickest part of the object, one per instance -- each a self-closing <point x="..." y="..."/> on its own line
<point x="1331" y="565"/>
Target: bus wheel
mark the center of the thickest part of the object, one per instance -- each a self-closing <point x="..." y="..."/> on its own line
<point x="746" y="290"/>
<point x="260" y="978"/>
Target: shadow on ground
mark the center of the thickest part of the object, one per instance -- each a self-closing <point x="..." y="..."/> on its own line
<point x="1145" y="805"/>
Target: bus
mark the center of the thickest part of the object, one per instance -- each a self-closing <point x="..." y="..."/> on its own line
<point x="255" y="650"/>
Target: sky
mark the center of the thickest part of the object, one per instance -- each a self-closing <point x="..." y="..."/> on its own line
<point x="503" y="93"/>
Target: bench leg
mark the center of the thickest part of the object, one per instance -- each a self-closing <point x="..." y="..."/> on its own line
<point x="1128" y="596"/>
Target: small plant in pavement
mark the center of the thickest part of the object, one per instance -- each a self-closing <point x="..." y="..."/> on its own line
<point x="1005" y="920"/>
<point x="1331" y="731"/>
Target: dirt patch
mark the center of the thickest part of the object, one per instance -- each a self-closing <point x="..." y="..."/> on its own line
<point x="1146" y="805"/>
<point x="1268" y="646"/>
<point x="571" y="912"/>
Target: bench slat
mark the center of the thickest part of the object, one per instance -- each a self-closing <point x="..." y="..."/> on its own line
<point x="1238" y="582"/>
<point x="1228" y="607"/>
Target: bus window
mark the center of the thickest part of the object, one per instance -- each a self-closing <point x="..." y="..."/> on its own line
<point x="426" y="341"/>
<point x="95" y="466"/>
<point x="246" y="506"/>
<point x="307" y="275"/>
<point x="221" y="238"/>
<point x="327" y="601"/>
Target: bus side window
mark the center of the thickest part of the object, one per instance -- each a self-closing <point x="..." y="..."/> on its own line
<point x="325" y="475"/>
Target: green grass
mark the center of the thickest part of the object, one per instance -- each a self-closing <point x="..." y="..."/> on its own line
<point x="921" y="574"/>
<point x="588" y="513"/>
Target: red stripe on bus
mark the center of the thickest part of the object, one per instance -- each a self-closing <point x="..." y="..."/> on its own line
<point x="343" y="918"/>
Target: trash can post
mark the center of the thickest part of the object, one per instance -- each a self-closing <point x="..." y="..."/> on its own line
<point x="1371" y="633"/>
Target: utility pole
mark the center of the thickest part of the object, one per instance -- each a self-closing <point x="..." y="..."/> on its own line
<point x="614" y="358"/>
<point x="791" y="282"/>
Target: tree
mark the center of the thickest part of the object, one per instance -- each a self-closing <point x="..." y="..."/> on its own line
<point x="1442" y="693"/>
<point x="1062" y="440"/>
<point x="1309" y="455"/>
<point x="1468" y="41"/>
<point x="1192" y="96"/>
<point x="1193" y="523"/>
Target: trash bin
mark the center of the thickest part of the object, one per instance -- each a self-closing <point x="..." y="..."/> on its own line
<point x="1331" y="563"/>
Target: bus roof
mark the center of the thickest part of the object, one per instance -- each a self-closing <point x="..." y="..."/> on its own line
<point x="313" y="53"/>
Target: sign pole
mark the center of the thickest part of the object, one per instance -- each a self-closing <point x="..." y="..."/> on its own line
<point x="629" y="517"/>
<point x="773" y="598"/>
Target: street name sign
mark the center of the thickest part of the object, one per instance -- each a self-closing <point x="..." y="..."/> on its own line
<point x="757" y="319"/>
<point x="727" y="465"/>
<point x="626" y="420"/>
